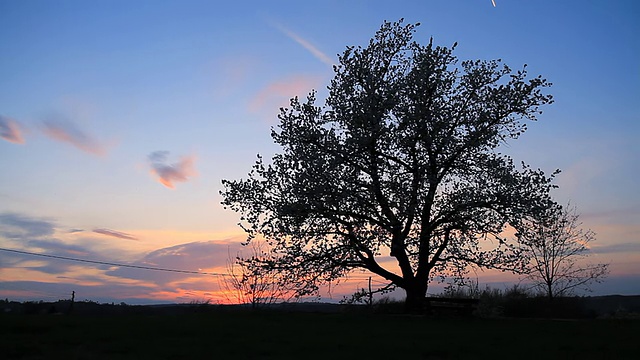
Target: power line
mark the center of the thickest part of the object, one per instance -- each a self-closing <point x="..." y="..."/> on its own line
<point x="378" y="282"/>
<point x="112" y="263"/>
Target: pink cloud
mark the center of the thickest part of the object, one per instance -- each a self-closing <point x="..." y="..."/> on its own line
<point x="168" y="174"/>
<point x="278" y="94"/>
<point x="113" y="233"/>
<point x="10" y="130"/>
<point x="69" y="132"/>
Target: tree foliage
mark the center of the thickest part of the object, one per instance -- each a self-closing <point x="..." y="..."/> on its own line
<point x="556" y="244"/>
<point x="399" y="172"/>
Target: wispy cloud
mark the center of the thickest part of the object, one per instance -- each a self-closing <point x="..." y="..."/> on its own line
<point x="628" y="247"/>
<point x="306" y="44"/>
<point x="17" y="226"/>
<point x="193" y="256"/>
<point x="279" y="93"/>
<point x="57" y="247"/>
<point x="116" y="234"/>
<point x="69" y="132"/>
<point x="10" y="130"/>
<point x="168" y="174"/>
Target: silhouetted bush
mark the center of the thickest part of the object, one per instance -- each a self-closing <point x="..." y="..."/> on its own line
<point x="519" y="302"/>
<point x="387" y="305"/>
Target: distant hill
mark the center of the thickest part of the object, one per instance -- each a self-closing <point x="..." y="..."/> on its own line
<point x="596" y="306"/>
<point x="612" y="304"/>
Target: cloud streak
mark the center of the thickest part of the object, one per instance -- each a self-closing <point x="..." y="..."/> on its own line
<point x="16" y="226"/>
<point x="116" y="234"/>
<point x="621" y="248"/>
<point x="10" y="130"/>
<point x="69" y="132"/>
<point x="193" y="256"/>
<point x="168" y="174"/>
<point x="304" y="43"/>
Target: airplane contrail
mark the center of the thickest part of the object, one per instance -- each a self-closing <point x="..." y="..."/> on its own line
<point x="304" y="43"/>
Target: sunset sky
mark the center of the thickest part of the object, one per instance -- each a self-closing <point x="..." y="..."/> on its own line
<point x="118" y="120"/>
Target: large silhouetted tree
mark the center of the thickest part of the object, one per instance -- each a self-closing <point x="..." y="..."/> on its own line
<point x="557" y="246"/>
<point x="401" y="161"/>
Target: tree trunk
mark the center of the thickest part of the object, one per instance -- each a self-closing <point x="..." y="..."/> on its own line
<point x="415" y="302"/>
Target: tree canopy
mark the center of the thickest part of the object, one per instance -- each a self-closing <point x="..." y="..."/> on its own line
<point x="399" y="172"/>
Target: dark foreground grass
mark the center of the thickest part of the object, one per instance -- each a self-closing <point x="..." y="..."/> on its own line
<point x="245" y="335"/>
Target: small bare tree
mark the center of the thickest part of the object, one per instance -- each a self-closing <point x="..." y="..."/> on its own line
<point x="555" y="245"/>
<point x="247" y="283"/>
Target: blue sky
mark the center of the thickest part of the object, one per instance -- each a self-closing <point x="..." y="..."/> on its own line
<point x="118" y="119"/>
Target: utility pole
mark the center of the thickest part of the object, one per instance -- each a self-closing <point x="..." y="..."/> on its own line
<point x="370" y="293"/>
<point x="73" y="299"/>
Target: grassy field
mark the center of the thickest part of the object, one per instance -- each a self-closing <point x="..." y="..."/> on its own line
<point x="246" y="335"/>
